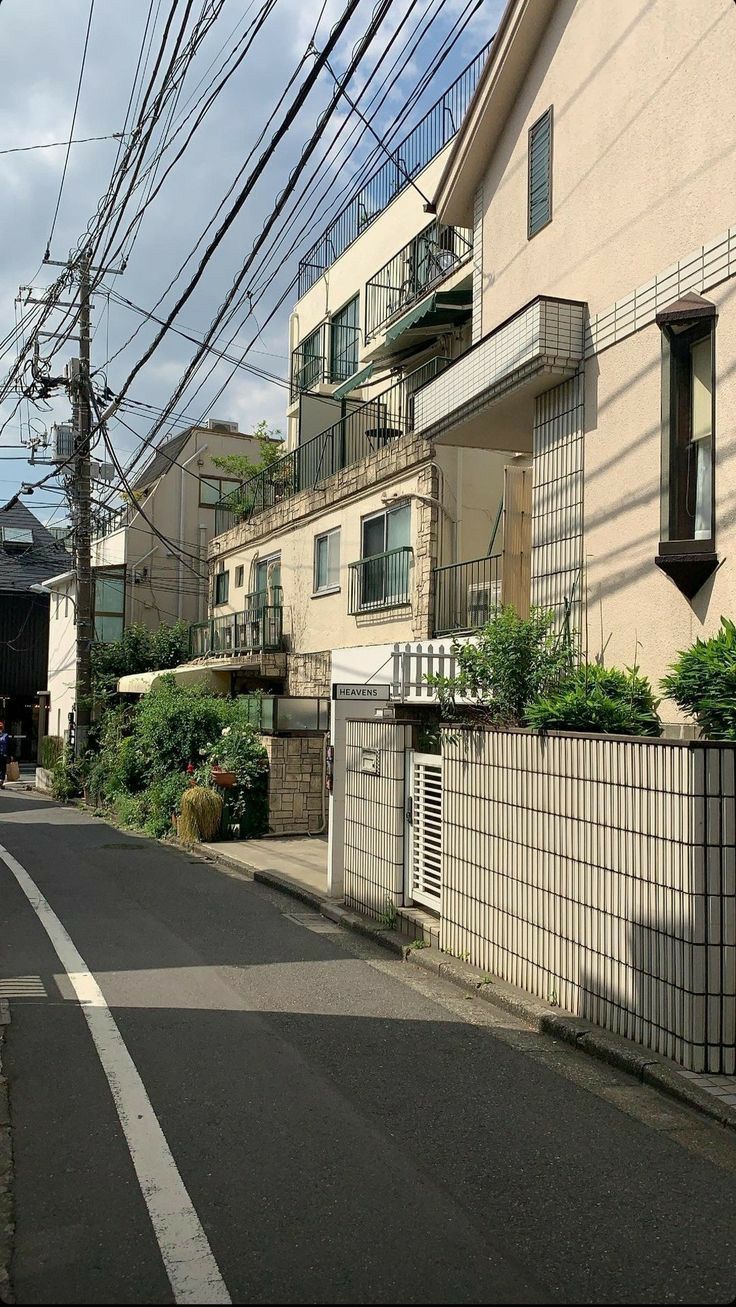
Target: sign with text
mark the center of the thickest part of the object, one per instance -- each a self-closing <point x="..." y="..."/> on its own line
<point x="361" y="693"/>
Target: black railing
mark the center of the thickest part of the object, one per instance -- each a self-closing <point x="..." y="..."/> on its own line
<point x="256" y="629"/>
<point x="417" y="269"/>
<point x="309" y="363"/>
<point x="420" y="147"/>
<point x="381" y="581"/>
<point x="466" y="595"/>
<point x="361" y="431"/>
<point x="344" y="352"/>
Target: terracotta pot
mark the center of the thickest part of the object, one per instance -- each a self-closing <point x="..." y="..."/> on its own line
<point x="226" y="779"/>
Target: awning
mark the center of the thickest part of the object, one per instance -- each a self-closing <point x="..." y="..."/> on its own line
<point x="143" y="682"/>
<point x="352" y="383"/>
<point x="442" y="309"/>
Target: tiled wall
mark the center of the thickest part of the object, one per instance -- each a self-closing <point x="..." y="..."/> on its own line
<point x="557" y="500"/>
<point x="374" y="815"/>
<point x="545" y="335"/>
<point x="699" y="271"/>
<point x="599" y="874"/>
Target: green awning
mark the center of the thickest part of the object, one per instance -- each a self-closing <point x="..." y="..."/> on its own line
<point x="444" y="308"/>
<point x="353" y="382"/>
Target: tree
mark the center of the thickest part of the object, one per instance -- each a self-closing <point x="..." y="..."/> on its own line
<point x="271" y="442"/>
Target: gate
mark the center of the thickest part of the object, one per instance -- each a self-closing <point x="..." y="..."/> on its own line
<point x="424" y="830"/>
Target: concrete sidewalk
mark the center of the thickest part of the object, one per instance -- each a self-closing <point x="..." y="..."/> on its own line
<point x="298" y="860"/>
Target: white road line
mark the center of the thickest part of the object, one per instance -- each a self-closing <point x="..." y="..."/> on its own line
<point x="192" y="1270"/>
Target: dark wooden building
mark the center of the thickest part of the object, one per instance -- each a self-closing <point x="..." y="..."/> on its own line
<point x="29" y="554"/>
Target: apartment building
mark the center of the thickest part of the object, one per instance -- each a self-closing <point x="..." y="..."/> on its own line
<point x="596" y="166"/>
<point x="149" y="556"/>
<point x="367" y="533"/>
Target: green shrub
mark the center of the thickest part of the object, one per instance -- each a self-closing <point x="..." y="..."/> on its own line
<point x="513" y="662"/>
<point x="702" y="682"/>
<point x="52" y="748"/>
<point x="601" y="699"/>
<point x="137" y="650"/>
<point x="66" y="782"/>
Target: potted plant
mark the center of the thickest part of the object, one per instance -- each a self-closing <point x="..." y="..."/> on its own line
<point x="221" y="776"/>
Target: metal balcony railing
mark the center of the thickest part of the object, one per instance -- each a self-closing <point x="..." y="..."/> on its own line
<point x="362" y="431"/>
<point x="258" y="628"/>
<point x="418" y="268"/>
<point x="309" y="363"/>
<point x="466" y="595"/>
<point x="381" y="581"/>
<point x="411" y="155"/>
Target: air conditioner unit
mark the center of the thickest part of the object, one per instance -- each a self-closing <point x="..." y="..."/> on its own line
<point x="219" y="424"/>
<point x="62" y="434"/>
<point x="483" y="599"/>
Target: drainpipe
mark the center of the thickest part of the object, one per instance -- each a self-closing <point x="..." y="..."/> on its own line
<point x="180" y="597"/>
<point x="202" y="551"/>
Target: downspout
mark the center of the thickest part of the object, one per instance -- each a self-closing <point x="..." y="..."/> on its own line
<point x="180" y="597"/>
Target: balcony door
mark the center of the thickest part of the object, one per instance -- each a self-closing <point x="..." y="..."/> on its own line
<point x="384" y="578"/>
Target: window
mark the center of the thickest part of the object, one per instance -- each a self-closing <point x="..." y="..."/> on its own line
<point x="344" y="342"/>
<point x="109" y="605"/>
<point x="308" y="363"/>
<point x="327" y="561"/>
<point x="222" y="587"/>
<point x="381" y="579"/>
<point x="267" y="579"/>
<point x="687" y="526"/>
<point x="239" y="571"/>
<point x="212" y="489"/>
<point x="540" y="173"/>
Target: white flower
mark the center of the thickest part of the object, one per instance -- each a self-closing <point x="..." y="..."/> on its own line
<point x="202" y="753"/>
<point x="227" y="730"/>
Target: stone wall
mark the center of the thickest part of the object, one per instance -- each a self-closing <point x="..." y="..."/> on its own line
<point x="296" y="781"/>
<point x="309" y="674"/>
<point x="381" y="465"/>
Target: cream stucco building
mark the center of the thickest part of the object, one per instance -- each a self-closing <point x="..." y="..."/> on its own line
<point x="596" y="166"/>
<point x="366" y="533"/>
<point x="149" y="558"/>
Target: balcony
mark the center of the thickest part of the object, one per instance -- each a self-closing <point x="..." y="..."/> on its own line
<point x="380" y="582"/>
<point x="257" y="629"/>
<point x="431" y="134"/>
<point x="327" y="357"/>
<point x="466" y="595"/>
<point x="486" y="399"/>
<point x="362" y="431"/>
<point x="423" y="264"/>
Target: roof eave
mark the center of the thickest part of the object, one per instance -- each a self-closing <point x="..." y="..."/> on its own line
<point x="514" y="45"/>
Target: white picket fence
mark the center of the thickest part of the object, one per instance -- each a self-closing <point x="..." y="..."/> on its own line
<point x="413" y="663"/>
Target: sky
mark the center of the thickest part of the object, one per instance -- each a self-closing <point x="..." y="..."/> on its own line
<point x="41" y="44"/>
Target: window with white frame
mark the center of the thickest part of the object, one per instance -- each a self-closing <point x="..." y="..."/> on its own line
<point x="327" y="561"/>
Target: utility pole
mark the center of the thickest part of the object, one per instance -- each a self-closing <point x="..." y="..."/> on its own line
<point x="82" y="513"/>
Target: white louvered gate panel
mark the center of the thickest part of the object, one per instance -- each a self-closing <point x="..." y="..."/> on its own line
<point x="425" y="830"/>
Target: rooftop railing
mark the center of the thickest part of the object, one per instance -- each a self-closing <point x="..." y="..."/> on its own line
<point x="419" y="148"/>
<point x="359" y="432"/>
<point x="418" y="268"/>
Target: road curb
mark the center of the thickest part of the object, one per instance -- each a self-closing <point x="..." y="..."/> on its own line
<point x="7" y="1225"/>
<point x="647" y="1067"/>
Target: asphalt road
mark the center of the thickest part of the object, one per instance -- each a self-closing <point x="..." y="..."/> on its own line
<point x="343" y="1127"/>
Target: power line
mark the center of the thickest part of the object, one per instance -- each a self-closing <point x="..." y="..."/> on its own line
<point x="50" y="145"/>
<point x="71" y="130"/>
